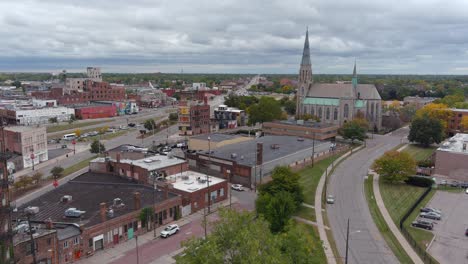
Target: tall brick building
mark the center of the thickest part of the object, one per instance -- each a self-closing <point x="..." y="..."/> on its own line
<point x="194" y="118"/>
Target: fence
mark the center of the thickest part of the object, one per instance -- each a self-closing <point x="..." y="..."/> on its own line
<point x="426" y="257"/>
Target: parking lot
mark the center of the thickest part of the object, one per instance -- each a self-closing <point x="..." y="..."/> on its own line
<point x="450" y="244"/>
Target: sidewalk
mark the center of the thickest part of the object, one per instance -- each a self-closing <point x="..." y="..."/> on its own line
<point x="331" y="259"/>
<point x="388" y="219"/>
<point x="114" y="253"/>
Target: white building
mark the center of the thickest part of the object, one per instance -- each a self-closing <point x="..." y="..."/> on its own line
<point x="198" y="86"/>
<point x="36" y="116"/>
<point x="94" y="74"/>
<point x="77" y="84"/>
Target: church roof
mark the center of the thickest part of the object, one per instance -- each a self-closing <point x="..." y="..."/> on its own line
<point x="343" y="90"/>
<point x="306" y="52"/>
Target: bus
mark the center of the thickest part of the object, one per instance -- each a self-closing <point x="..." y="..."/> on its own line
<point x="69" y="136"/>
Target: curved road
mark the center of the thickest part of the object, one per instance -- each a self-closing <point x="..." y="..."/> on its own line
<point x="366" y="244"/>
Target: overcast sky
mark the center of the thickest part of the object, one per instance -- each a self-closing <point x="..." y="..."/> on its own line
<point x="235" y="36"/>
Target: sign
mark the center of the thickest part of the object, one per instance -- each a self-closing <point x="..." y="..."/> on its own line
<point x="184" y="110"/>
<point x="55" y="183"/>
<point x="32" y="155"/>
<point x="73" y="142"/>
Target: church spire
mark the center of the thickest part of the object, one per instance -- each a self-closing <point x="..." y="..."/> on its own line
<point x="306" y="52"/>
<point x="354" y="80"/>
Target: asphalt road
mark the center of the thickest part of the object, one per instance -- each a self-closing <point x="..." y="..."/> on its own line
<point x="366" y="244"/>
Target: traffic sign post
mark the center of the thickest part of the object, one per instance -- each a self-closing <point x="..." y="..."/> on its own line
<point x="74" y="146"/>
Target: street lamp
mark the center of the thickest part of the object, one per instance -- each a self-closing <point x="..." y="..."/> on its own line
<point x="347" y="241"/>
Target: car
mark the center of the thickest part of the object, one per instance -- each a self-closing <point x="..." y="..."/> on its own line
<point x="237" y="187"/>
<point x="170" y="230"/>
<point x="464" y="185"/>
<point x="430" y="209"/>
<point x="443" y="182"/>
<point x="423" y="224"/>
<point x="431" y="215"/>
<point x="454" y="184"/>
<point x="466" y="191"/>
<point x="131" y="124"/>
<point x="330" y="199"/>
<point x="93" y="133"/>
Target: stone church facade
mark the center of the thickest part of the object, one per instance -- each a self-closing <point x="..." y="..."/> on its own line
<point x="336" y="103"/>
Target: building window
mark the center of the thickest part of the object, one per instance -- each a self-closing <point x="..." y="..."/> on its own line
<point x="65" y="244"/>
<point x="312" y="111"/>
<point x="346" y="111"/>
<point x="328" y="113"/>
<point x="90" y="242"/>
<point x="335" y="114"/>
<point x="320" y="112"/>
<point x="76" y="240"/>
<point x="165" y="214"/>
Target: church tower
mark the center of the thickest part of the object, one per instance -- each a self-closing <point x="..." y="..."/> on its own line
<point x="354" y="81"/>
<point x="305" y="77"/>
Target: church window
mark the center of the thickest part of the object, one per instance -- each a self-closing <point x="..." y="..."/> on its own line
<point x="328" y="113"/>
<point x="305" y="111"/>
<point x="346" y="111"/>
<point x="372" y="111"/>
<point x="335" y="114"/>
<point x="302" y="90"/>
<point x="312" y="111"/>
<point x="320" y="112"/>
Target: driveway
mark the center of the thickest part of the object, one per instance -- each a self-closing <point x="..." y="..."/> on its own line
<point x="450" y="244"/>
<point x="366" y="244"/>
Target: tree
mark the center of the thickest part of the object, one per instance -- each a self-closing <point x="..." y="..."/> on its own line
<point x="267" y="109"/>
<point x="150" y="124"/>
<point x="56" y="172"/>
<point x="53" y="120"/>
<point x="97" y="147"/>
<point x="284" y="179"/>
<point x="437" y="111"/>
<point x="426" y="130"/>
<point x="395" y="166"/>
<point x="78" y="132"/>
<point x="464" y="124"/>
<point x="290" y="107"/>
<point x="353" y="130"/>
<point x="407" y="112"/>
<point x="147" y="216"/>
<point x="73" y="117"/>
<point x="36" y="177"/>
<point x="362" y="122"/>
<point x="277" y="209"/>
<point x="173" y="116"/>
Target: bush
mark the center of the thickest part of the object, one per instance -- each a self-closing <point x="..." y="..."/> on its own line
<point x="425" y="163"/>
<point x="419" y="181"/>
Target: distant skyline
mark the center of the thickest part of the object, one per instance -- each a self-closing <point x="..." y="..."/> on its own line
<point x="234" y="36"/>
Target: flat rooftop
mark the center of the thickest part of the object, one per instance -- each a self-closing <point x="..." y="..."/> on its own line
<point x="216" y="137"/>
<point x="23" y="128"/>
<point x="149" y="163"/>
<point x="455" y="144"/>
<point x="191" y="181"/>
<point x="88" y="191"/>
<point x="245" y="151"/>
<point x="303" y="123"/>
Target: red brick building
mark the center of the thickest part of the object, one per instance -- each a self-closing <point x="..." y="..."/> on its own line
<point x="456" y="119"/>
<point x="95" y="111"/>
<point x="92" y="91"/>
<point x="106" y="208"/>
<point x="194" y="118"/>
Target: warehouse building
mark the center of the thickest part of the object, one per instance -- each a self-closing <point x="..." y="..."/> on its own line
<point x="451" y="158"/>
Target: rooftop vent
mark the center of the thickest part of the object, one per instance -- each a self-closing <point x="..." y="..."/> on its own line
<point x="73" y="212"/>
<point x="118" y="203"/>
<point x="31" y="210"/>
<point x="66" y="199"/>
<point x="110" y="213"/>
<point x="233" y="155"/>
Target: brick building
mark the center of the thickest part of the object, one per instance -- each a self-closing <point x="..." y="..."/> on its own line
<point x="454" y="125"/>
<point x="106" y="209"/>
<point x="95" y="111"/>
<point x="301" y="129"/>
<point x="229" y="117"/>
<point x="29" y="142"/>
<point x="451" y="158"/>
<point x="194" y="118"/>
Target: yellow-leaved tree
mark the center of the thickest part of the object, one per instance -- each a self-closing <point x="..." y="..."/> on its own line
<point x="437" y="111"/>
<point x="464" y="124"/>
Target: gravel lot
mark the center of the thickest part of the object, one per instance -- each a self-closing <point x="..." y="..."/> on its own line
<point x="450" y="244"/>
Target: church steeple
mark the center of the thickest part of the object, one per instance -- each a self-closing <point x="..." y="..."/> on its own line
<point x="354" y="80"/>
<point x="305" y="72"/>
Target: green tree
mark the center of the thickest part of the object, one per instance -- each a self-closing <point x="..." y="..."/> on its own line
<point x="395" y="166"/>
<point x="426" y="130"/>
<point x="407" y="112"/>
<point x="353" y="130"/>
<point x="277" y="209"/>
<point x="150" y="124"/>
<point x="36" y="177"/>
<point x="290" y="107"/>
<point x="97" y="147"/>
<point x="56" y="172"/>
<point x="284" y="179"/>
<point x="147" y="216"/>
<point x="267" y="109"/>
<point x="53" y="120"/>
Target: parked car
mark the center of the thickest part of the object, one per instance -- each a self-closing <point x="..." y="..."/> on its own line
<point x="466" y="191"/>
<point x="454" y="184"/>
<point x="423" y="224"/>
<point x="443" y="182"/>
<point x="330" y="199"/>
<point x="170" y="230"/>
<point x="430" y="209"/>
<point x="431" y="215"/>
<point x="464" y="185"/>
<point x="131" y="124"/>
<point x="237" y="187"/>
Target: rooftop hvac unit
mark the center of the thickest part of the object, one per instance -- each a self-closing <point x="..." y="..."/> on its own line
<point x="185" y="177"/>
<point x="66" y="199"/>
<point x="118" y="202"/>
<point x="73" y="212"/>
<point x="31" y="210"/>
<point x="233" y="155"/>
<point x="110" y="213"/>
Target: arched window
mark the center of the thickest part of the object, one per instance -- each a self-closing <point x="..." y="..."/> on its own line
<point x="335" y="114"/>
<point x="372" y="111"/>
<point x="320" y="113"/>
<point x="346" y="111"/>
<point x="376" y="110"/>
<point x="305" y="110"/>
<point x="312" y="111"/>
<point x="302" y="90"/>
<point x="328" y="113"/>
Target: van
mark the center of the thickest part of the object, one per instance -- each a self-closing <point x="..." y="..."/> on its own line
<point x="69" y="136"/>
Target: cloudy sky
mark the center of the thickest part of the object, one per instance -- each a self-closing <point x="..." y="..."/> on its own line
<point x="234" y="36"/>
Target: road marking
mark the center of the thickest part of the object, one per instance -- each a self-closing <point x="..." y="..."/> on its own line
<point x="188" y="233"/>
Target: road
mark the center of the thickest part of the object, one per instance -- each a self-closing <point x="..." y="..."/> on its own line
<point x="366" y="244"/>
<point x="244" y="90"/>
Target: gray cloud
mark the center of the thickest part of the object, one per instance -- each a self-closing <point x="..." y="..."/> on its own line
<point x="414" y="36"/>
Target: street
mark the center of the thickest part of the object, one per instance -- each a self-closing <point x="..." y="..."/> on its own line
<point x="366" y="244"/>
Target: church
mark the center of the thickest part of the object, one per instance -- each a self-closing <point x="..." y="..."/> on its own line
<point x="336" y="103"/>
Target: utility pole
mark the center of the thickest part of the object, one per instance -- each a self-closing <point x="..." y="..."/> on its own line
<point x="347" y="243"/>
<point x="33" y="245"/>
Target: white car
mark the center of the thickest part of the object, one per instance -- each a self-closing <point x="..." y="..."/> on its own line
<point x="237" y="187"/>
<point x="170" y="230"/>
<point x="330" y="199"/>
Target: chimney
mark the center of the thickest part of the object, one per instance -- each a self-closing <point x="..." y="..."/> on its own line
<point x="118" y="157"/>
<point x="102" y="211"/>
<point x="205" y="99"/>
<point x="137" y="200"/>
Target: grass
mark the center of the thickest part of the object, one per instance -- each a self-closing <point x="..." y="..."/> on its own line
<point x="317" y="249"/>
<point x="76" y="167"/>
<point x="419" y="153"/>
<point x="306" y="213"/>
<point x="399" y="197"/>
<point x="388" y="236"/>
<point x="108" y="135"/>
<point x="449" y="189"/>
<point x="57" y="128"/>
<point x="82" y="132"/>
